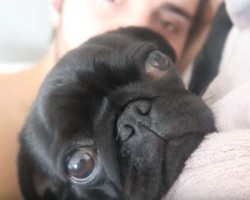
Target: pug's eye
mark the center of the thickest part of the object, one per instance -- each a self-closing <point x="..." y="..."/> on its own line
<point x="157" y="64"/>
<point x="81" y="164"/>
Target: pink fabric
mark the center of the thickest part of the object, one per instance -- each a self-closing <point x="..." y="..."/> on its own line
<point x="218" y="170"/>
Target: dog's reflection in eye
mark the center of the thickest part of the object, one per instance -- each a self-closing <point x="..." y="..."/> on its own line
<point x="82" y="164"/>
<point x="112" y="120"/>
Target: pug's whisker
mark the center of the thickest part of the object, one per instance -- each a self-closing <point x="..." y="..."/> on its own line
<point x="203" y="91"/>
<point x="156" y="134"/>
<point x="190" y="88"/>
<point x="209" y="97"/>
<point x="117" y="189"/>
<point x="117" y="136"/>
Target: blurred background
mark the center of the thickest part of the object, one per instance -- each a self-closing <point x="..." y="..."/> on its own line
<point x="26" y="31"/>
<point x="25" y="37"/>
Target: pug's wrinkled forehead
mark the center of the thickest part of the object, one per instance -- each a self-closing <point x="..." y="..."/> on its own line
<point x="104" y="65"/>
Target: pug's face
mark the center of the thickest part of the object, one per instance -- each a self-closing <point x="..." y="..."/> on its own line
<point x="111" y="121"/>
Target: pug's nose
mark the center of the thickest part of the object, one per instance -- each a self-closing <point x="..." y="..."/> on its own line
<point x="135" y="115"/>
<point x="141" y="107"/>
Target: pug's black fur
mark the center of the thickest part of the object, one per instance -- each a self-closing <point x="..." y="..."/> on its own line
<point x="104" y="127"/>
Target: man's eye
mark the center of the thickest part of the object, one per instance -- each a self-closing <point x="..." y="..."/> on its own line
<point x="113" y="1"/>
<point x="81" y="164"/>
<point x="169" y="26"/>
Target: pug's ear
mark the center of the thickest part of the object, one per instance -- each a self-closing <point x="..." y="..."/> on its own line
<point x="34" y="183"/>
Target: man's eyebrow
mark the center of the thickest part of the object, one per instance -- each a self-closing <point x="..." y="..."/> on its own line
<point x="177" y="10"/>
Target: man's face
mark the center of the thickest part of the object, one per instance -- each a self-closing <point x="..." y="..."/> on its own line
<point x="82" y="19"/>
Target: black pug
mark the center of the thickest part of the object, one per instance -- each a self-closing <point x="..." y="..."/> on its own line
<point x="112" y="121"/>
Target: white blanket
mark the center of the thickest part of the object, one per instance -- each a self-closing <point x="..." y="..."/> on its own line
<point x="220" y="168"/>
